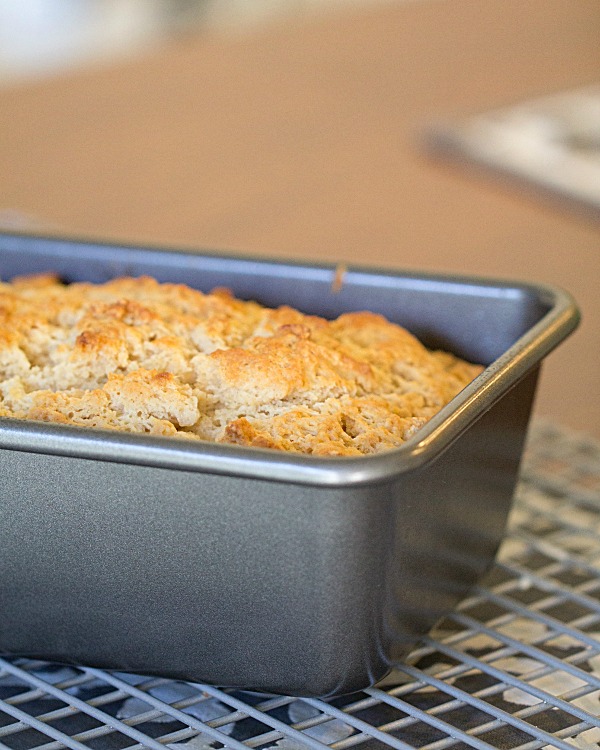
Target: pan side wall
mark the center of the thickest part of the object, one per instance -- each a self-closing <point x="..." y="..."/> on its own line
<point x="243" y="582"/>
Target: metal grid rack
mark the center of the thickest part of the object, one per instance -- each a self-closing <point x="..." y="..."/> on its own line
<point x="517" y="665"/>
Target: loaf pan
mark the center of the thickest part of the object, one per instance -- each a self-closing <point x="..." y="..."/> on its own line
<point x="258" y="569"/>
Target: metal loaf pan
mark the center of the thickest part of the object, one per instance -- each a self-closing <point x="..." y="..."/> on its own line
<point x="254" y="569"/>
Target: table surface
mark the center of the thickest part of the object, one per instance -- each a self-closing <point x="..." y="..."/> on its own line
<point x="305" y="139"/>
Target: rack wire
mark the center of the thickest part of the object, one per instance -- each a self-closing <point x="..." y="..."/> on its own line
<point x="515" y="667"/>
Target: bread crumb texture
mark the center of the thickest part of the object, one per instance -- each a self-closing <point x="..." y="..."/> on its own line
<point x="164" y="359"/>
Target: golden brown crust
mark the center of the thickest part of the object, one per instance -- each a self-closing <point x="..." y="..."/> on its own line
<point x="136" y="355"/>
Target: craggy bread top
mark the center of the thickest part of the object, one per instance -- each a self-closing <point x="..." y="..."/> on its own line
<point x="140" y="356"/>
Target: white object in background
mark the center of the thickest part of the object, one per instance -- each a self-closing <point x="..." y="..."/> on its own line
<point x="551" y="142"/>
<point x="40" y="37"/>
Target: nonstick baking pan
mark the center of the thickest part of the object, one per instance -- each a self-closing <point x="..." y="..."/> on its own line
<point x="258" y="569"/>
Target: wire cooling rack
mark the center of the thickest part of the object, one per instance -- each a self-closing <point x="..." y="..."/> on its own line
<point x="517" y="665"/>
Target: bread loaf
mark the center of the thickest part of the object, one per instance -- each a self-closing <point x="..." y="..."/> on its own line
<point x="141" y="356"/>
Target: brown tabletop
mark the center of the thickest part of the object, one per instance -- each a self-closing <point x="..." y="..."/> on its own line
<point x="304" y="139"/>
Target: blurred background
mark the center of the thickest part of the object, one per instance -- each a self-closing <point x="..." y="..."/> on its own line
<point x="42" y="37"/>
<point x="449" y="136"/>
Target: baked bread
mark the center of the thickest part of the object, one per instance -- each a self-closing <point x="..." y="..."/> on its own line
<point x="139" y="356"/>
